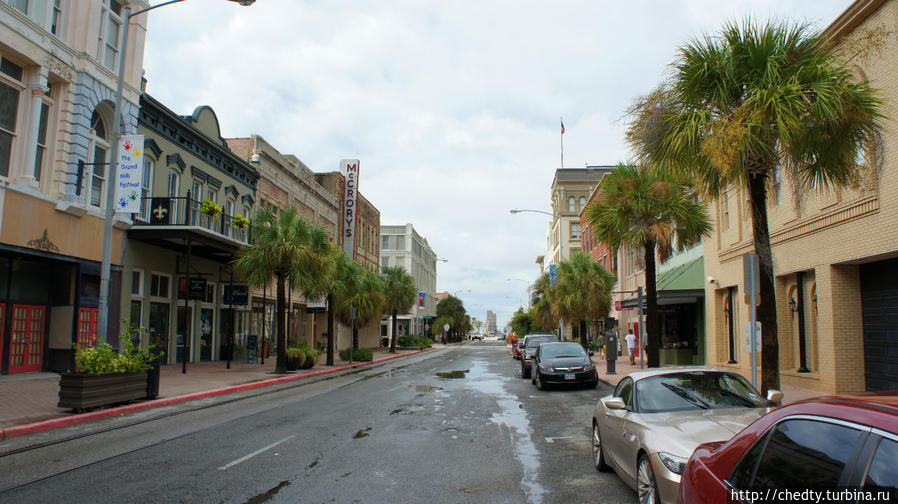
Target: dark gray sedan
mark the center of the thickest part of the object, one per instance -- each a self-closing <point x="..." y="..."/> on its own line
<point x="562" y="363"/>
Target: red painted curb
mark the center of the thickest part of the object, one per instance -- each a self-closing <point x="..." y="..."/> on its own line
<point x="55" y="423"/>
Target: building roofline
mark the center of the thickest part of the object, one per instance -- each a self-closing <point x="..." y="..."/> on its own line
<point x="849" y="19"/>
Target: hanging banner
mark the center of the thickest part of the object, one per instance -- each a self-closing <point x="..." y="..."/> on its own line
<point x="129" y="174"/>
<point x="349" y="168"/>
<point x="421" y="297"/>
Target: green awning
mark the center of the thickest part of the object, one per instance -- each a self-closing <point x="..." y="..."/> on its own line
<point x="682" y="284"/>
<point x="687" y="276"/>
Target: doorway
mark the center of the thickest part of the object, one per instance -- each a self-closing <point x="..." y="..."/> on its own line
<point x="206" y="334"/>
<point x="159" y="327"/>
<point x="184" y="332"/>
<point x="27" y="347"/>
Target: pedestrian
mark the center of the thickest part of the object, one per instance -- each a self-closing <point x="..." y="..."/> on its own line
<point x="631" y="346"/>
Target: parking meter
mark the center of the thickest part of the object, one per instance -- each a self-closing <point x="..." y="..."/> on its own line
<point x="610" y="352"/>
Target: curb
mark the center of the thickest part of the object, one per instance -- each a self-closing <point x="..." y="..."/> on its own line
<point x="78" y="418"/>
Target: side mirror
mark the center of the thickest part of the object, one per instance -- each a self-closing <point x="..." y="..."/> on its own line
<point x="591" y="353"/>
<point x="775" y="397"/>
<point x="615" y="403"/>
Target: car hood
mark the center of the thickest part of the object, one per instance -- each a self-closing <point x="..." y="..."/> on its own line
<point x="566" y="362"/>
<point x="681" y="431"/>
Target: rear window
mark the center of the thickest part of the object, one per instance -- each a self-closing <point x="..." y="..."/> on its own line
<point x="534" y="341"/>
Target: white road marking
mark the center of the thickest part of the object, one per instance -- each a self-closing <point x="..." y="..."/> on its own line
<point x="253" y="454"/>
<point x="553" y="438"/>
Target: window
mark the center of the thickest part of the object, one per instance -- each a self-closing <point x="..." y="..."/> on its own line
<point x="56" y="17"/>
<point x="582" y="202"/>
<point x="384" y="262"/>
<point x="197" y="192"/>
<point x="210" y="293"/>
<point x="137" y="283"/>
<point x="725" y="213"/>
<point x="575" y="230"/>
<point x="9" y="108"/>
<point x="570" y="204"/>
<point x="174" y="184"/>
<point x="230" y="205"/>
<point x="805" y="453"/>
<point x="20" y="5"/>
<point x="110" y="30"/>
<point x="41" y="141"/>
<point x="159" y="286"/>
<point x="98" y="158"/>
<point x="146" y="185"/>
<point x="134" y="318"/>
<point x="624" y="390"/>
<point x="883" y="473"/>
<point x="212" y="196"/>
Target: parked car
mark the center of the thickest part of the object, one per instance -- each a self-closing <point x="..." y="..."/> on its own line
<point x="477" y="336"/>
<point x="647" y="429"/>
<point x="827" y="443"/>
<point x="562" y="363"/>
<point x="529" y="346"/>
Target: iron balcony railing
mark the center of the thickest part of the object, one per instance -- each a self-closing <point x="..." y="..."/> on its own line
<point x="186" y="211"/>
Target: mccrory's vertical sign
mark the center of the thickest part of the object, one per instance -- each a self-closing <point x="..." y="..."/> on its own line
<point x="350" y="170"/>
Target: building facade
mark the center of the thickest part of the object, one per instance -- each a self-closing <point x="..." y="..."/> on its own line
<point x="367" y="252"/>
<point x="491" y="322"/>
<point x="285" y="181"/>
<point x="835" y="254"/>
<point x="58" y="65"/>
<point x="177" y="263"/>
<point x="403" y="246"/>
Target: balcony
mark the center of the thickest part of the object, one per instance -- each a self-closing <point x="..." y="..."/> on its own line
<point x="175" y="222"/>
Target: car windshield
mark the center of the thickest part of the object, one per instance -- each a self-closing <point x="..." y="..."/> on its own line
<point x="534" y="341"/>
<point x="556" y="351"/>
<point x="696" y="390"/>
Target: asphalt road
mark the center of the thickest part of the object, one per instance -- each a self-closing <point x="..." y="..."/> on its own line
<point x="398" y="433"/>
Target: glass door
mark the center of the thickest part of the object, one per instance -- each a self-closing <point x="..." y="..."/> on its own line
<point x="159" y="327"/>
<point x="225" y="326"/>
<point x="206" y="316"/>
<point x="185" y="319"/>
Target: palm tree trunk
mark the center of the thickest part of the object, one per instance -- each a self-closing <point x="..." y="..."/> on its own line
<point x="653" y="336"/>
<point x="393" y="336"/>
<point x="330" y="330"/>
<point x="281" y="365"/>
<point x="583" y="336"/>
<point x="770" y="378"/>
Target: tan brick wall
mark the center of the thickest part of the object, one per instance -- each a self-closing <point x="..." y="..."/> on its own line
<point x="826" y="234"/>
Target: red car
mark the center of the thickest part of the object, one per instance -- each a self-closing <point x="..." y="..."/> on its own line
<point x="800" y="452"/>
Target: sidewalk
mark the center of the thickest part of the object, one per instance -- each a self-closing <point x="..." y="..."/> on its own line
<point x="32" y="397"/>
<point x="623" y="367"/>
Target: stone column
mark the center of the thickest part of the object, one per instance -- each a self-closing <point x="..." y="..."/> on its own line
<point x="38" y="87"/>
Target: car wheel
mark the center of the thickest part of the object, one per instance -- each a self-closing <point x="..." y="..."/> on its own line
<point x="598" y="454"/>
<point x="539" y="381"/>
<point x="646" y="484"/>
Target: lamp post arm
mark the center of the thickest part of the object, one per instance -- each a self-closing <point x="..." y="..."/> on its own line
<point x="141" y="11"/>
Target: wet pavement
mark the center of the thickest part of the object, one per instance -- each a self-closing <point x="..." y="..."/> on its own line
<point x="453" y="425"/>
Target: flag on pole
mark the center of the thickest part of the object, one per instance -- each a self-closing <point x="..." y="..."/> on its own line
<point x="562" y="126"/>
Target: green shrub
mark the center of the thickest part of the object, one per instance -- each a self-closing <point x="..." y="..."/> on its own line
<point x="424" y="343"/>
<point x="360" y="354"/>
<point x="102" y="359"/>
<point x="295" y="353"/>
<point x="407" y="340"/>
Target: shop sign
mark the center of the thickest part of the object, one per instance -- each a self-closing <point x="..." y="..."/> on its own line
<point x="350" y="170"/>
<point x="236" y="295"/>
<point x="197" y="288"/>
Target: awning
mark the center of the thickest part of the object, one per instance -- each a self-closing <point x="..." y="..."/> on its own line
<point x="679" y="285"/>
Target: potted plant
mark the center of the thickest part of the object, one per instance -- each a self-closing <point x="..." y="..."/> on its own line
<point x="105" y="377"/>
<point x="240" y="222"/>
<point x="295" y="358"/>
<point x="210" y="208"/>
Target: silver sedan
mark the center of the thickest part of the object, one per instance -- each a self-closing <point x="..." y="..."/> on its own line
<point x="647" y="429"/>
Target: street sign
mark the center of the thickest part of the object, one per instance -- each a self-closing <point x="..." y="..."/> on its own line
<point x="748" y="337"/>
<point x="238" y="295"/>
<point x="751" y="277"/>
<point x="553" y="274"/>
<point x="445" y="327"/>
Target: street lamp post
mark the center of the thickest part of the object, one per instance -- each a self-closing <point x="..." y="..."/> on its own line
<point x="528" y="287"/>
<point x="118" y="129"/>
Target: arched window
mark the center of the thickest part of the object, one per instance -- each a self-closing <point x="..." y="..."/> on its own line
<point x="582" y="202"/>
<point x="570" y="204"/>
<point x="98" y="157"/>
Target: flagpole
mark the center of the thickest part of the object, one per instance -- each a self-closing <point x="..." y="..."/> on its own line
<point x="562" y="143"/>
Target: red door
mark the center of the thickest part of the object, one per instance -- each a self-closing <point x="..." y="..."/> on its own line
<point x="87" y="327"/>
<point x="2" y="325"/>
<point x="27" y="348"/>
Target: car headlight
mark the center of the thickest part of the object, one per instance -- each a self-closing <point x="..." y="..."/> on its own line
<point x="546" y="368"/>
<point x="674" y="463"/>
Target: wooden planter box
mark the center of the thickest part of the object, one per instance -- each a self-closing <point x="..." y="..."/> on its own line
<point x="80" y="392"/>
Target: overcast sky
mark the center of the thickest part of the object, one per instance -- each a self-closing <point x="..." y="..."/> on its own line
<point x="452" y="107"/>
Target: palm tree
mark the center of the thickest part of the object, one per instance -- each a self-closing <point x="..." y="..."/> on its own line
<point x="399" y="294"/>
<point x="541" y="306"/>
<point x="647" y="210"/>
<point x="749" y="101"/>
<point x="452" y="311"/>
<point x="339" y="283"/>
<point x="288" y="249"/>
<point x="583" y="291"/>
<point x="365" y="293"/>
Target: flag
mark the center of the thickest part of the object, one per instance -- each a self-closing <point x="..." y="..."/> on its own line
<point x="562" y="126"/>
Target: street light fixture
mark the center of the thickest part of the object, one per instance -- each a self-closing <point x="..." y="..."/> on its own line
<point x="117" y="130"/>
<point x="456" y="293"/>
<point x="442" y="260"/>
<point x="528" y="287"/>
<point x="519" y="210"/>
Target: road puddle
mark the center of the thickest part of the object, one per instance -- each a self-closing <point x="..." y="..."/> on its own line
<point x="427" y="388"/>
<point x="453" y="374"/>
<point x="512" y="416"/>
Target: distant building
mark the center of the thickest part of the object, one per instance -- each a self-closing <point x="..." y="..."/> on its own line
<point x="403" y="246"/>
<point x="491" y="322"/>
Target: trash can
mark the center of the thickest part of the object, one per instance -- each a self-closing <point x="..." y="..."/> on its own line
<point x="153" y="379"/>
